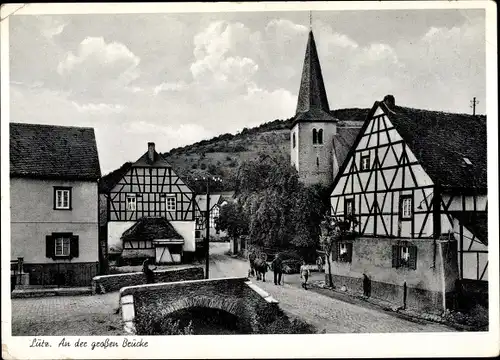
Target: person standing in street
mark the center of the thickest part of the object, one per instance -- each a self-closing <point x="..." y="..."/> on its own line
<point x="304" y="274"/>
<point x="150" y="277"/>
<point x="277" y="267"/>
<point x="251" y="259"/>
<point x="319" y="262"/>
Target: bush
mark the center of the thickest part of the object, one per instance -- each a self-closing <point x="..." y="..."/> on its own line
<point x="283" y="325"/>
<point x="152" y="326"/>
<point x="290" y="255"/>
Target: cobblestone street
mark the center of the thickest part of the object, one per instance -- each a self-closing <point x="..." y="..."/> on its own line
<point x="95" y="315"/>
<point x="330" y="315"/>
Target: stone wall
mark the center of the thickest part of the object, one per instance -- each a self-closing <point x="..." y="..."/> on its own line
<point x="143" y="306"/>
<point x="109" y="283"/>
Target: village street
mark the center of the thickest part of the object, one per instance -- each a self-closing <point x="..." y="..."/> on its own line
<point x="95" y="315"/>
<point x="325" y="313"/>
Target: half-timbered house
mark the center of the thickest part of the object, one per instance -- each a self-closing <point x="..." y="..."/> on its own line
<point x="146" y="189"/>
<point x="216" y="203"/>
<point x="416" y="183"/>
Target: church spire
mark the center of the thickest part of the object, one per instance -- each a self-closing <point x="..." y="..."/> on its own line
<point x="312" y="94"/>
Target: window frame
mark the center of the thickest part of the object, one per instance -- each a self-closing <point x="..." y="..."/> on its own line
<point x="346" y="202"/>
<point x="346" y="256"/>
<point x="402" y="199"/>
<point x="63" y="189"/>
<point x="293" y="140"/>
<point x="315" y="136"/>
<point x="62" y="237"/>
<point x="167" y="197"/>
<point x="130" y="197"/>
<point x="399" y="260"/>
<point x="361" y="165"/>
<point x="319" y="137"/>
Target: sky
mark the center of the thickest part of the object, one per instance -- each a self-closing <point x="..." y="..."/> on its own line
<point x="175" y="79"/>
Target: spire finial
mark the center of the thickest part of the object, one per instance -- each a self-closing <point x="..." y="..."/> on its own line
<point x="310" y="20"/>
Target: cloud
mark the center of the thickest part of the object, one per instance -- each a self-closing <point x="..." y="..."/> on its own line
<point x="167" y="87"/>
<point x="98" y="67"/>
<point x="98" y="108"/>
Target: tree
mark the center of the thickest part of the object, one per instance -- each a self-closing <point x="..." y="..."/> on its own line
<point x="334" y="230"/>
<point x="232" y="219"/>
<point x="282" y="212"/>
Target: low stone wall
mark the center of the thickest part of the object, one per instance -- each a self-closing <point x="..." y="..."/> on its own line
<point x="143" y="306"/>
<point x="418" y="299"/>
<point x="109" y="283"/>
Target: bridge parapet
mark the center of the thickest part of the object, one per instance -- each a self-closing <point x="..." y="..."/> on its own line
<point x="238" y="296"/>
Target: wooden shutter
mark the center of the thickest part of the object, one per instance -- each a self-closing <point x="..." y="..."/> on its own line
<point x="349" y="252"/>
<point x="49" y="246"/>
<point x="335" y="251"/>
<point x="413" y="257"/>
<point x="395" y="256"/>
<point x="74" y="250"/>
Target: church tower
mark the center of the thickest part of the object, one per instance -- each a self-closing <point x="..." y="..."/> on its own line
<point x="313" y="127"/>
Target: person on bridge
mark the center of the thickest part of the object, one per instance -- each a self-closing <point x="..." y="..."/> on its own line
<point x="277" y="266"/>
<point x="150" y="277"/>
<point x="304" y="274"/>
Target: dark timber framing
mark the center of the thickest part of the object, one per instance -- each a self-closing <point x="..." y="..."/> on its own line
<point x="151" y="186"/>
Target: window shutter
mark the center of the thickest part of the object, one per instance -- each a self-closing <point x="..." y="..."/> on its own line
<point x="349" y="252"/>
<point x="74" y="250"/>
<point x="335" y="251"/>
<point x="49" y="246"/>
<point x="413" y="257"/>
<point x="395" y="256"/>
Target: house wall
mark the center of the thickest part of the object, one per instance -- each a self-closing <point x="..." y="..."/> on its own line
<point x="33" y="218"/>
<point x="305" y="154"/>
<point x="435" y="273"/>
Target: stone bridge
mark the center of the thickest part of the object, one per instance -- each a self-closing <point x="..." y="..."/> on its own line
<point x="252" y="306"/>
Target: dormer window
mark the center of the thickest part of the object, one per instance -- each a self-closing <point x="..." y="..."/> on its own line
<point x="467" y="161"/>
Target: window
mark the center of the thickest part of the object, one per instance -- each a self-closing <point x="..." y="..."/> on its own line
<point x="131" y="202"/>
<point x="317" y="161"/>
<point x="467" y="161"/>
<point x="349" y="207"/>
<point x="62" y="198"/>
<point x="315" y="136"/>
<point x="406" y="205"/>
<point x="171" y="203"/>
<point x="344" y="252"/>
<point x="404" y="256"/>
<point x="365" y="162"/>
<point x="62" y="246"/>
<point x="293" y="140"/>
<point x="320" y="136"/>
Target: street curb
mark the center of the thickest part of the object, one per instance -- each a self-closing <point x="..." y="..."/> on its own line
<point x="27" y="293"/>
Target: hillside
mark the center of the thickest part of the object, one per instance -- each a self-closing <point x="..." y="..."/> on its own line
<point x="222" y="155"/>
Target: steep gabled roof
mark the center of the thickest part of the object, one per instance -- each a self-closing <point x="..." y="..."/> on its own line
<point x="312" y="102"/>
<point x="109" y="181"/>
<point x="343" y="141"/>
<point x="56" y="152"/>
<point x="440" y="141"/>
<point x="151" y="228"/>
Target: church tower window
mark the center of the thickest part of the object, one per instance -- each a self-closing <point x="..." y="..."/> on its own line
<point x="315" y="136"/>
<point x="293" y="140"/>
<point x="320" y="136"/>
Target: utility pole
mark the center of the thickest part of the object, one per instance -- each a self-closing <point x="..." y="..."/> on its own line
<point x="207" y="224"/>
<point x="474" y="102"/>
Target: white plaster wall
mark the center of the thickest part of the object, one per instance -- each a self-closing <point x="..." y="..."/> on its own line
<point x="186" y="229"/>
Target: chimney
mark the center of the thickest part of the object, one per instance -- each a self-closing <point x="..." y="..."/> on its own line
<point x="390" y="101"/>
<point x="151" y="152"/>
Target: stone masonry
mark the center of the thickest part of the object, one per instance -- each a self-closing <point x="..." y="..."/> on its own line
<point x="109" y="283"/>
<point x="144" y="304"/>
